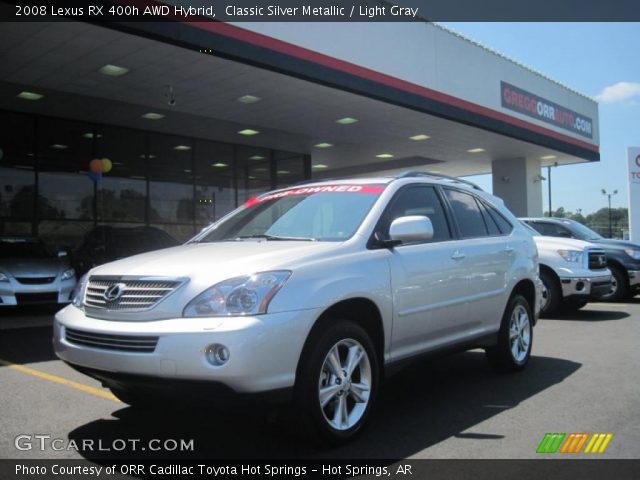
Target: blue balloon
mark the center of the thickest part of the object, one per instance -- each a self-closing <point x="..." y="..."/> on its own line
<point x="95" y="176"/>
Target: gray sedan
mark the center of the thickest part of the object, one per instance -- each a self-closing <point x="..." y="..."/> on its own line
<point x="30" y="275"/>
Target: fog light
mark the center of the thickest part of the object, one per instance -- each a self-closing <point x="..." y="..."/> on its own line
<point x="580" y="286"/>
<point x="217" y="354"/>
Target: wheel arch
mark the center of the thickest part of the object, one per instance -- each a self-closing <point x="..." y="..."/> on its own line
<point x="360" y="310"/>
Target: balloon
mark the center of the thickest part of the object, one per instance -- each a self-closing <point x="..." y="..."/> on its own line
<point x="95" y="165"/>
<point x="95" y="176"/>
<point x="106" y="165"/>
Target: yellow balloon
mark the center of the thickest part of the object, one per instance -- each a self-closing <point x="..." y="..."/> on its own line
<point x="106" y="165"/>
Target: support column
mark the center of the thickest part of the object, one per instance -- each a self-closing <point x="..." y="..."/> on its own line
<point x="518" y="182"/>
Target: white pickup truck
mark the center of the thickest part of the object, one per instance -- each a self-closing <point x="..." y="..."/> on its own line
<point x="572" y="273"/>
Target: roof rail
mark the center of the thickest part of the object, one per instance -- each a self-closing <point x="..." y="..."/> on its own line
<point x="441" y="176"/>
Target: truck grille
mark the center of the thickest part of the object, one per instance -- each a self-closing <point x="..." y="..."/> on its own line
<point x="103" y="341"/>
<point x="597" y="260"/>
<point x="131" y="295"/>
<point x="35" y="280"/>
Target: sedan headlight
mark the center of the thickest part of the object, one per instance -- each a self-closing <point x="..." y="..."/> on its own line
<point x="573" y="256"/>
<point x="3" y="277"/>
<point x="248" y="295"/>
<point x="77" y="296"/>
<point x="68" y="273"/>
<point x="633" y="253"/>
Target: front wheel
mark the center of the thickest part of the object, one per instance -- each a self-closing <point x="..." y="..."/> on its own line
<point x="337" y="382"/>
<point x="515" y="337"/>
<point x="619" y="286"/>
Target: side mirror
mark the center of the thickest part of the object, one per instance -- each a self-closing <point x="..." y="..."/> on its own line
<point x="412" y="228"/>
<point x="62" y="253"/>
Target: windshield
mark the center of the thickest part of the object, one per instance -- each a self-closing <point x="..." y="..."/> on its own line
<point x="325" y="213"/>
<point x="582" y="232"/>
<point x="530" y="229"/>
<point x="22" y="248"/>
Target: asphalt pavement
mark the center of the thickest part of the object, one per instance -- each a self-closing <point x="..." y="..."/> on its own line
<point x="583" y="377"/>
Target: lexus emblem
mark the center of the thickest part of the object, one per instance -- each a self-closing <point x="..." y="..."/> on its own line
<point x="114" y="292"/>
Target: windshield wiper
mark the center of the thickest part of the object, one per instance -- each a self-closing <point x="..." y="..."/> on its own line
<point x="277" y="238"/>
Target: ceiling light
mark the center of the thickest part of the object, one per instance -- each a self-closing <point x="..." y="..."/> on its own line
<point x="283" y="172"/>
<point x="30" y="96"/>
<point x="346" y="121"/>
<point x="59" y="146"/>
<point x="249" y="99"/>
<point x="420" y="137"/>
<point x="548" y="157"/>
<point x="248" y="132"/>
<point x="475" y="150"/>
<point x="260" y="170"/>
<point x="113" y="70"/>
<point x="147" y="156"/>
<point x="385" y="155"/>
<point x="256" y="157"/>
<point x="219" y="165"/>
<point x="323" y="145"/>
<point x="153" y="116"/>
<point x="91" y="135"/>
<point x="117" y="163"/>
<point x="186" y="170"/>
<point x="319" y="166"/>
<point x="182" y="148"/>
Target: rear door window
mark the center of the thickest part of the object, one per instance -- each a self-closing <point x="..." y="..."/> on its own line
<point x="468" y="215"/>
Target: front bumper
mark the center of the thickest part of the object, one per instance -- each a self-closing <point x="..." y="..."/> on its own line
<point x="585" y="286"/>
<point x="14" y="293"/>
<point x="263" y="350"/>
<point x="634" y="278"/>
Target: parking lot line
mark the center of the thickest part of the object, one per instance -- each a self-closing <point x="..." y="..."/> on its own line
<point x="98" y="392"/>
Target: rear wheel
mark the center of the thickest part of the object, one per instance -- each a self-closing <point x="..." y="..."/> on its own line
<point x="619" y="285"/>
<point x="337" y="382"/>
<point x="515" y="337"/>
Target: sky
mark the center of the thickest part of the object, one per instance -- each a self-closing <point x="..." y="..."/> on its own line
<point x="600" y="60"/>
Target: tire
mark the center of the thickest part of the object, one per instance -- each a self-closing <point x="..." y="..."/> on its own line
<point x="321" y="380"/>
<point x="134" y="399"/>
<point x="515" y="337"/>
<point x="573" y="305"/>
<point x="619" y="286"/>
<point x="551" y="294"/>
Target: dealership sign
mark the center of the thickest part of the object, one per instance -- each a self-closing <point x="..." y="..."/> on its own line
<point x="534" y="106"/>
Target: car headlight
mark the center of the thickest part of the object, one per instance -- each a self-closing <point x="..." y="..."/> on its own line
<point x="633" y="253"/>
<point x="68" y="273"/>
<point x="77" y="296"/>
<point x="573" y="256"/>
<point x="247" y="295"/>
<point x="3" y="277"/>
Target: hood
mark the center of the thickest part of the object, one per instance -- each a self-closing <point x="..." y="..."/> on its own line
<point x="32" y="267"/>
<point x="555" y="243"/>
<point x="219" y="260"/>
<point x="616" y="244"/>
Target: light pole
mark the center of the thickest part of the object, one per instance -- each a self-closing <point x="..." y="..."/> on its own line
<point x="609" y="195"/>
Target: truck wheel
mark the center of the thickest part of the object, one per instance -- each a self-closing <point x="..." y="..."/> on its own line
<point x="337" y="382"/>
<point x="619" y="286"/>
<point x="515" y="337"/>
<point x="551" y="295"/>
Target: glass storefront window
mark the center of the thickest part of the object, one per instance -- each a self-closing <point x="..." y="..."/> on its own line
<point x="289" y="168"/>
<point x="215" y="195"/>
<point x="17" y="188"/>
<point x="254" y="172"/>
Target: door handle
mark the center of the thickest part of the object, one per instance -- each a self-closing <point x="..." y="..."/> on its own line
<point x="509" y="249"/>
<point x="458" y="255"/>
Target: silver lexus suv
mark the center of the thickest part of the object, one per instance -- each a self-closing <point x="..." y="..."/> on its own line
<point x="316" y="291"/>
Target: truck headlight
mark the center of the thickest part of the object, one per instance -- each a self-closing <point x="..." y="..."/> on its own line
<point x="247" y="295"/>
<point x="633" y="253"/>
<point x="68" y="273"/>
<point x="77" y="296"/>
<point x="573" y="256"/>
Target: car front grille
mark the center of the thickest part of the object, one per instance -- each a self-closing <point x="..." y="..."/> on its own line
<point x="35" y="280"/>
<point x="597" y="260"/>
<point x="104" y="341"/>
<point x="134" y="294"/>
